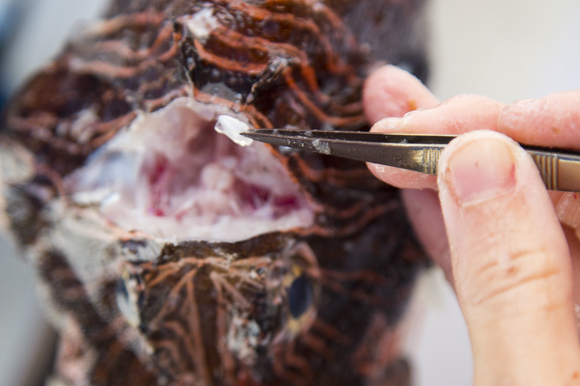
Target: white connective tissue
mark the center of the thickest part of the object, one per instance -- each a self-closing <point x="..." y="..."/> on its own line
<point x="232" y="127"/>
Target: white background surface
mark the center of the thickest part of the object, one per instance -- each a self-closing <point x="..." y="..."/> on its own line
<point x="504" y="49"/>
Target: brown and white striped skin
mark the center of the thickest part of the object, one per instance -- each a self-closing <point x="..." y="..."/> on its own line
<point x="136" y="309"/>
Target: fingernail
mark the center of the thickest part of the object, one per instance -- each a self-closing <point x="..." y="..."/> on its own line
<point x="481" y="169"/>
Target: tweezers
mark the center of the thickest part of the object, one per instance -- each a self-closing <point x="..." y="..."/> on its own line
<point x="560" y="169"/>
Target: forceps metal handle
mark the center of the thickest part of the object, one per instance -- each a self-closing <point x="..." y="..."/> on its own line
<point x="558" y="171"/>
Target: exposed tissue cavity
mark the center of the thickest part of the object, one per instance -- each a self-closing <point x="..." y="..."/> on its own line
<point x="169" y="174"/>
<point x="232" y="127"/>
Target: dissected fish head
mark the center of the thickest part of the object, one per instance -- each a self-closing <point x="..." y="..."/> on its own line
<point x="170" y="251"/>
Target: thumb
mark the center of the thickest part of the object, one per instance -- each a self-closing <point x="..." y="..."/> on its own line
<point x="511" y="263"/>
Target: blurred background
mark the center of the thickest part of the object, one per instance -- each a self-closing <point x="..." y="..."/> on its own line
<point x="504" y="49"/>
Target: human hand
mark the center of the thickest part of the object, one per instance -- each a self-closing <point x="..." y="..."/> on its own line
<point x="493" y="227"/>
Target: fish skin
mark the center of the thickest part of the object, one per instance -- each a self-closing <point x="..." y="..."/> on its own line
<point x="192" y="306"/>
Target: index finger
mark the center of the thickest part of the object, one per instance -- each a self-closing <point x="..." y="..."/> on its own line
<point x="457" y="115"/>
<point x="552" y="121"/>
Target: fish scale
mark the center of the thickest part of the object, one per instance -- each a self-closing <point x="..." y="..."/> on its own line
<point x="289" y="272"/>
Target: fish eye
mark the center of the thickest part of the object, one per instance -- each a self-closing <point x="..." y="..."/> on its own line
<point x="298" y="287"/>
<point x="299" y="296"/>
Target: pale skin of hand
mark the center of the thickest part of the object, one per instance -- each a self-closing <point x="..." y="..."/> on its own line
<point x="509" y="248"/>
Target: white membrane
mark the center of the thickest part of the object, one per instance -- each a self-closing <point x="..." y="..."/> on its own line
<point x="232" y="127"/>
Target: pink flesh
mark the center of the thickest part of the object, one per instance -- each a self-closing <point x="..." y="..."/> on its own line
<point x="170" y="174"/>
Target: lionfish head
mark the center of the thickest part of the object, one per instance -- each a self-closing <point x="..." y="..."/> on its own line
<point x="169" y="254"/>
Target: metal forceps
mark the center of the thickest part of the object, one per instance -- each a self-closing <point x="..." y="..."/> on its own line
<point x="560" y="169"/>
